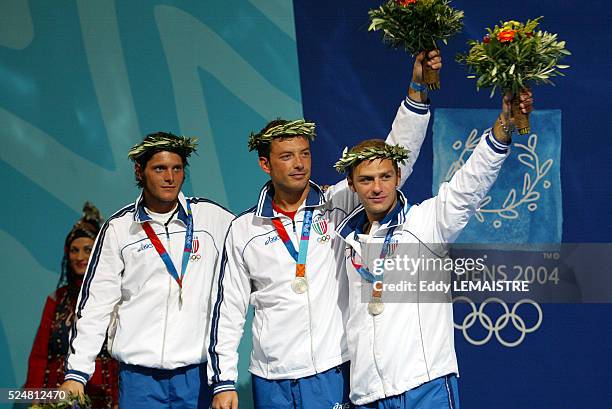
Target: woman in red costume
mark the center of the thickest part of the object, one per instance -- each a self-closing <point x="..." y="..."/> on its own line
<point x="46" y="363"/>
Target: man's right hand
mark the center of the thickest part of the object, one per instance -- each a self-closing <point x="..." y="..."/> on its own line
<point x="73" y="387"/>
<point x="433" y="59"/>
<point x="225" y="400"/>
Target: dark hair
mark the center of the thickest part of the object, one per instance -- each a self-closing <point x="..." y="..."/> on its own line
<point x="67" y="294"/>
<point x="263" y="150"/>
<point x="143" y="159"/>
<point x="88" y="226"/>
<point x="368" y="143"/>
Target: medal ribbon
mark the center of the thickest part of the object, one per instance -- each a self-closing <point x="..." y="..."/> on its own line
<point x="299" y="257"/>
<point x="161" y="250"/>
<point x="365" y="273"/>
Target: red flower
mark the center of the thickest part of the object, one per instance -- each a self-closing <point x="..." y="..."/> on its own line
<point x="486" y="39"/>
<point x="506" y="36"/>
<point x="406" y="3"/>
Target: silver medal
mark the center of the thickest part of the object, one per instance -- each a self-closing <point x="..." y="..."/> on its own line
<point x="376" y="306"/>
<point x="299" y="285"/>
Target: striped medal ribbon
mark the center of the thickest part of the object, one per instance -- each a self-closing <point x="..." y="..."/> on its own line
<point x="161" y="250"/>
<point x="299" y="284"/>
<point x="375" y="306"/>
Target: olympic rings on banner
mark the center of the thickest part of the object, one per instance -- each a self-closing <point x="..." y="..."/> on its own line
<point x="500" y="323"/>
<point x="195" y="257"/>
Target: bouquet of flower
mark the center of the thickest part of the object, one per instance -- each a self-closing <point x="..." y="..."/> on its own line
<point x="512" y="56"/>
<point x="71" y="402"/>
<point x="417" y="25"/>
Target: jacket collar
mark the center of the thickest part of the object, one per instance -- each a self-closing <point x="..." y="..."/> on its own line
<point x="354" y="222"/>
<point x="141" y="216"/>
<point x="315" y="198"/>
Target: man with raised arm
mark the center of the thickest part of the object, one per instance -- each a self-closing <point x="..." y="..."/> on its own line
<point x="282" y="258"/>
<point x="402" y="353"/>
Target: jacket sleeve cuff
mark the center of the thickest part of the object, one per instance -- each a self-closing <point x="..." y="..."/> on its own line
<point x="416" y="107"/>
<point x="223" y="386"/>
<point x="78" y="376"/>
<point x="494" y="144"/>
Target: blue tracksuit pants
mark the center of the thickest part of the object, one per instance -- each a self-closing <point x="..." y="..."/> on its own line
<point x="329" y="389"/>
<point x="440" y="393"/>
<point x="151" y="388"/>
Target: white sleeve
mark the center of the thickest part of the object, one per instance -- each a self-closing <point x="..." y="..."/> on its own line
<point x="408" y="130"/>
<point x="100" y="292"/>
<point x="230" y="305"/>
<point x="458" y="199"/>
<point x="222" y="224"/>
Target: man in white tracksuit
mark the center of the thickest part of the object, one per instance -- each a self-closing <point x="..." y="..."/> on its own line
<point x="152" y="268"/>
<point x="402" y="354"/>
<point x="280" y="256"/>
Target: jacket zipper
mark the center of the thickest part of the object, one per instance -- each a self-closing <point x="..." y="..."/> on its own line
<point x="309" y="309"/>
<point x="310" y="327"/>
<point x="374" y="347"/>
<point x="167" y="300"/>
<point x="312" y="355"/>
<point x="374" y="355"/>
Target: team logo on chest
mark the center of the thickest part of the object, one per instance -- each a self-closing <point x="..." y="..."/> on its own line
<point x="320" y="226"/>
<point x="195" y="246"/>
<point x="389" y="248"/>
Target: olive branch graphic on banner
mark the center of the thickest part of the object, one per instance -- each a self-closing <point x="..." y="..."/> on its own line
<point x="532" y="178"/>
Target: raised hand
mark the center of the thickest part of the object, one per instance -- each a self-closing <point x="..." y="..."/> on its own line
<point x="433" y="60"/>
<point x="505" y="124"/>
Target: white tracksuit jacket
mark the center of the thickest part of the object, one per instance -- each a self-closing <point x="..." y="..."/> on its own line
<point x="127" y="279"/>
<point x="411" y="343"/>
<point x="294" y="335"/>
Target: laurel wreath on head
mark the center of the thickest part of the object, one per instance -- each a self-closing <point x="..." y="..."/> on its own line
<point x="164" y="141"/>
<point x="299" y="127"/>
<point x="396" y="153"/>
